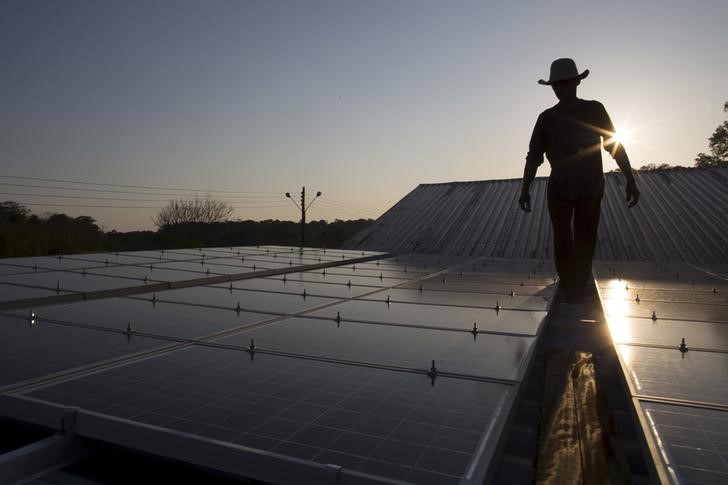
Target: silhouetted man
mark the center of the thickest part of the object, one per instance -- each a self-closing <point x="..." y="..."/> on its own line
<point x="570" y="134"/>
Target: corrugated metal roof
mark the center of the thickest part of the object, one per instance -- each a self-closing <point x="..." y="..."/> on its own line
<point x="682" y="216"/>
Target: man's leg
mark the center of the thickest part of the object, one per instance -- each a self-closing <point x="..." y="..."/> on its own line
<point x="586" y="224"/>
<point x="561" y="212"/>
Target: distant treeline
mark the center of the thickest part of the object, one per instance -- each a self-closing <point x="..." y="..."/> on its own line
<point x="239" y="233"/>
<point x="26" y="234"/>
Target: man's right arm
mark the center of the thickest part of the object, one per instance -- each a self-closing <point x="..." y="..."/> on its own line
<point x="533" y="160"/>
<point x="529" y="173"/>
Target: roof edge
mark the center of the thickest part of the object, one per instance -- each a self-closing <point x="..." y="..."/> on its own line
<point x="608" y="174"/>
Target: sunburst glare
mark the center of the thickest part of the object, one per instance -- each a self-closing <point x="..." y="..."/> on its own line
<point x="623" y="135"/>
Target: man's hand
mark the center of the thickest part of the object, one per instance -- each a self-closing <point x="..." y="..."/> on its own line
<point x="525" y="202"/>
<point x="633" y="195"/>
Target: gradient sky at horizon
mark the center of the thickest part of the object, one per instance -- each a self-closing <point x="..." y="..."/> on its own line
<point x="362" y="100"/>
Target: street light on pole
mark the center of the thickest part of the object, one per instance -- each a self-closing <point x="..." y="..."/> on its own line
<point x="303" y="208"/>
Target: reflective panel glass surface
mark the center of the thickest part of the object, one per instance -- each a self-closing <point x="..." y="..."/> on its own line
<point x="522" y="322"/>
<point x="71" y="281"/>
<point x="459" y="352"/>
<point x="692" y="440"/>
<point x="161" y="318"/>
<point x="198" y="266"/>
<point x="297" y="287"/>
<point x="665" y="332"/>
<point x="647" y="295"/>
<point x="485" y="300"/>
<point x="30" y="351"/>
<point x="335" y="277"/>
<point x="392" y="424"/>
<point x="699" y="312"/>
<point x="248" y="300"/>
<point x="495" y="288"/>
<point x="693" y="376"/>
<point x="152" y="273"/>
<point x="9" y="292"/>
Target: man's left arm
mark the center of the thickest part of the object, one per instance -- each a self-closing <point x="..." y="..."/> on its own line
<point x="617" y="151"/>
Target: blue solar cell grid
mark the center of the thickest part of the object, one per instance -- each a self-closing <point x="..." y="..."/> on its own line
<point x="670" y="324"/>
<point x="401" y="367"/>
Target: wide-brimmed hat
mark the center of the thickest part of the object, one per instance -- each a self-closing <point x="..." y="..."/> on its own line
<point x="563" y="70"/>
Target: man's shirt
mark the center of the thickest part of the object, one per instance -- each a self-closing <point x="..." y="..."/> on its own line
<point x="572" y="141"/>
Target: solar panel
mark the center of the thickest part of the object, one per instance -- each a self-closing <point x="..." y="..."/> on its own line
<point x="296" y="286"/>
<point x="381" y="422"/>
<point x="487" y="356"/>
<point x="31" y="351"/>
<point x="693" y="441"/>
<point x="436" y="316"/>
<point x="670" y="324"/>
<point x="10" y="292"/>
<point x="338" y="366"/>
<point x="70" y="281"/>
<point x="483" y="300"/>
<point x="247" y="300"/>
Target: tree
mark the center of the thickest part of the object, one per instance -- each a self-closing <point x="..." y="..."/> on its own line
<point x="649" y="167"/>
<point x="204" y="210"/>
<point x="718" y="143"/>
<point x="13" y="212"/>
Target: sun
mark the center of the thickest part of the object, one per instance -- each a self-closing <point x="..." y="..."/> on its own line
<point x="622" y="135"/>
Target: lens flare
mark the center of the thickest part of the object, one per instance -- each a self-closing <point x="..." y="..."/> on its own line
<point x="622" y="135"/>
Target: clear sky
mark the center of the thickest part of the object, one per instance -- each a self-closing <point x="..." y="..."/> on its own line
<point x="362" y="100"/>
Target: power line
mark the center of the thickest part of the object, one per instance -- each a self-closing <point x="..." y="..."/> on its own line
<point x="351" y="210"/>
<point x="110" y="191"/>
<point x="90" y="206"/>
<point x="331" y="205"/>
<point x="95" y="206"/>
<point x="147" y="187"/>
<point x="338" y="214"/>
<point x="118" y="199"/>
<point x="346" y="210"/>
<point x="338" y="202"/>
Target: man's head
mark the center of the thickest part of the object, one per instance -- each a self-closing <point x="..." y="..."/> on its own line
<point x="564" y="78"/>
<point x="566" y="90"/>
<point x="564" y="70"/>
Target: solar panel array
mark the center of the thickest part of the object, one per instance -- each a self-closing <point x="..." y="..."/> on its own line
<point x="670" y="326"/>
<point x="364" y="365"/>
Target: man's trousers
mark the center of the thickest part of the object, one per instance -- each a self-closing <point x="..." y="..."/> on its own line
<point x="575" y="223"/>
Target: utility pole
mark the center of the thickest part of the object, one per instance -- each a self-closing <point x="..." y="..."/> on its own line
<point x="303" y="217"/>
<point x="303" y="208"/>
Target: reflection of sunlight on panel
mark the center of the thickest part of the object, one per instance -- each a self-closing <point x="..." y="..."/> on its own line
<point x="626" y="352"/>
<point x="617" y="288"/>
<point x="619" y="324"/>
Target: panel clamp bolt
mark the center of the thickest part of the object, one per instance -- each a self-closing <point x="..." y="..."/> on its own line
<point x="251" y="349"/>
<point x="432" y="373"/>
<point x="683" y="348"/>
